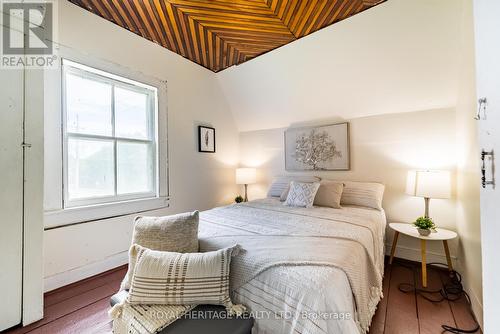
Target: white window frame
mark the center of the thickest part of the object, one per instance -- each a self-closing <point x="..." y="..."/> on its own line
<point x="70" y="67"/>
<point x="55" y="215"/>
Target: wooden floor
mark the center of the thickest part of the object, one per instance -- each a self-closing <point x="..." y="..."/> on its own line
<point x="410" y="313"/>
<point x="82" y="307"/>
<point x="78" y="308"/>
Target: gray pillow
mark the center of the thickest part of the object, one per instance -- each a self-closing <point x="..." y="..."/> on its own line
<point x="176" y="233"/>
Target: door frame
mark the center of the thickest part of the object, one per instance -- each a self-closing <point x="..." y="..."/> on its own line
<point x="33" y="174"/>
<point x="487" y="81"/>
<point x="32" y="303"/>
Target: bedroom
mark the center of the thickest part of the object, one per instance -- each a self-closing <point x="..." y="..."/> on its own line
<point x="406" y="77"/>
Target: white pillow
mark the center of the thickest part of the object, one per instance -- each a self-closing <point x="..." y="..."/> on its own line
<point x="368" y="194"/>
<point x="281" y="184"/>
<point x="302" y="194"/>
<point x="182" y="278"/>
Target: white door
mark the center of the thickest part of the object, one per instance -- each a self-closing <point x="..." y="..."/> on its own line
<point x="487" y="35"/>
<point x="11" y="195"/>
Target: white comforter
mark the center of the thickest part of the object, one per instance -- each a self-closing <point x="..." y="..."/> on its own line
<point x="306" y="298"/>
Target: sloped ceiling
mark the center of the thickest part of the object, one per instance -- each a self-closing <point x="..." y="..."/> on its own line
<point x="220" y="33"/>
<point x="400" y="56"/>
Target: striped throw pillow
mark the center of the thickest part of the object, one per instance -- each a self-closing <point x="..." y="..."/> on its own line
<point x="281" y="184"/>
<point x="182" y="278"/>
<point x="367" y="194"/>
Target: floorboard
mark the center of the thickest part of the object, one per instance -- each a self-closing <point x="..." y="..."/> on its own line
<point x="401" y="311"/>
<point x="431" y="315"/>
<point x="378" y="322"/>
<point x="459" y="308"/>
<point x="82" y="307"/>
<point x="68" y="306"/>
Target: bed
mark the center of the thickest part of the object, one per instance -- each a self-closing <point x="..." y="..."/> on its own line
<point x="303" y="270"/>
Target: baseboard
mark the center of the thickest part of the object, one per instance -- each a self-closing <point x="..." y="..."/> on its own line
<point x="477" y="306"/>
<point x="413" y="254"/>
<point x="74" y="275"/>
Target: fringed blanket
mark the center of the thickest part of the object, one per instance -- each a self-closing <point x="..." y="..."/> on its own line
<point x="276" y="239"/>
<point x="146" y="319"/>
<point x="344" y="247"/>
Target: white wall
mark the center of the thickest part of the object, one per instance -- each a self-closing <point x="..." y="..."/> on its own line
<point x="468" y="206"/>
<point x="400" y="56"/>
<point x="197" y="180"/>
<point x="383" y="149"/>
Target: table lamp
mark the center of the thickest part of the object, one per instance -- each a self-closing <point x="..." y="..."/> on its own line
<point x="429" y="184"/>
<point x="246" y="176"/>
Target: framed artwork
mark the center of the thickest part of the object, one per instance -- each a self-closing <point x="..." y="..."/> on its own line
<point x="318" y="148"/>
<point x="206" y="139"/>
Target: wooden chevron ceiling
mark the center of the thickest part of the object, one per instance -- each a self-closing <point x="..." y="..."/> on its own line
<point x="220" y="33"/>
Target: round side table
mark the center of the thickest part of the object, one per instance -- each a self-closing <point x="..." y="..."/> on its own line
<point x="441" y="234"/>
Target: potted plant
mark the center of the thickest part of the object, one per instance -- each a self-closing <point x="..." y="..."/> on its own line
<point x="425" y="226"/>
<point x="238" y="199"/>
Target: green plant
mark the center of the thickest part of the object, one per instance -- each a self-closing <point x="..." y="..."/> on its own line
<point x="425" y="223"/>
<point x="238" y="199"/>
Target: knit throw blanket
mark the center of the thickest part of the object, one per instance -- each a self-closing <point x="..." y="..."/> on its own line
<point x="145" y="319"/>
<point x="272" y="235"/>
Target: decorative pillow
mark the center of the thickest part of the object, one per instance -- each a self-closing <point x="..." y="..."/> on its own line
<point x="284" y="194"/>
<point x="281" y="184"/>
<point x="176" y="233"/>
<point x="302" y="194"/>
<point x="368" y="194"/>
<point x="182" y="278"/>
<point x="329" y="194"/>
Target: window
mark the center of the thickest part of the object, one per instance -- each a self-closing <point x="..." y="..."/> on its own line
<point x="110" y="150"/>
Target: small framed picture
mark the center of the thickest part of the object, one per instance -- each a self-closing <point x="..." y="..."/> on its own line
<point x="206" y="137"/>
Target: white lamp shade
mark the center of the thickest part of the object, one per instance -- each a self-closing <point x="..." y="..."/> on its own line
<point x="246" y="175"/>
<point x="430" y="184"/>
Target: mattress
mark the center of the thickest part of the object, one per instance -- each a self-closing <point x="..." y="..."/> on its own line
<point x="292" y="298"/>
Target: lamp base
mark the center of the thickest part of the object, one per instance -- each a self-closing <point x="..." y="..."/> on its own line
<point x="427" y="202"/>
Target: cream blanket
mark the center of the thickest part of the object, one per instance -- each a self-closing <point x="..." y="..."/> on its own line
<point x="275" y="236"/>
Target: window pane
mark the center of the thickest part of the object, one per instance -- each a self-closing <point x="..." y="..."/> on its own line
<point x="131" y="114"/>
<point x="135" y="168"/>
<point x="90" y="168"/>
<point x="88" y="106"/>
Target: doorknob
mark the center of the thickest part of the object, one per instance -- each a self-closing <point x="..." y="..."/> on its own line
<point x="491" y="156"/>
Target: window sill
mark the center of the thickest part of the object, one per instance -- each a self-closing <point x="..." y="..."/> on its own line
<point x="78" y="215"/>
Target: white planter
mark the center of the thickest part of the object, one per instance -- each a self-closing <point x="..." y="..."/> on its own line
<point x="424" y="232"/>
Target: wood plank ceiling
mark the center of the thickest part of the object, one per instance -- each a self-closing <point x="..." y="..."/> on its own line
<point x="217" y="34"/>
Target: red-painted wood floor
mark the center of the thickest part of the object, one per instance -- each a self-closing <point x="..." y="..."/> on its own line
<point x="82" y="307"/>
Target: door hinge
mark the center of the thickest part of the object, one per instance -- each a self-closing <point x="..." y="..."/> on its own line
<point x="26" y="145"/>
<point x="482" y="102"/>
